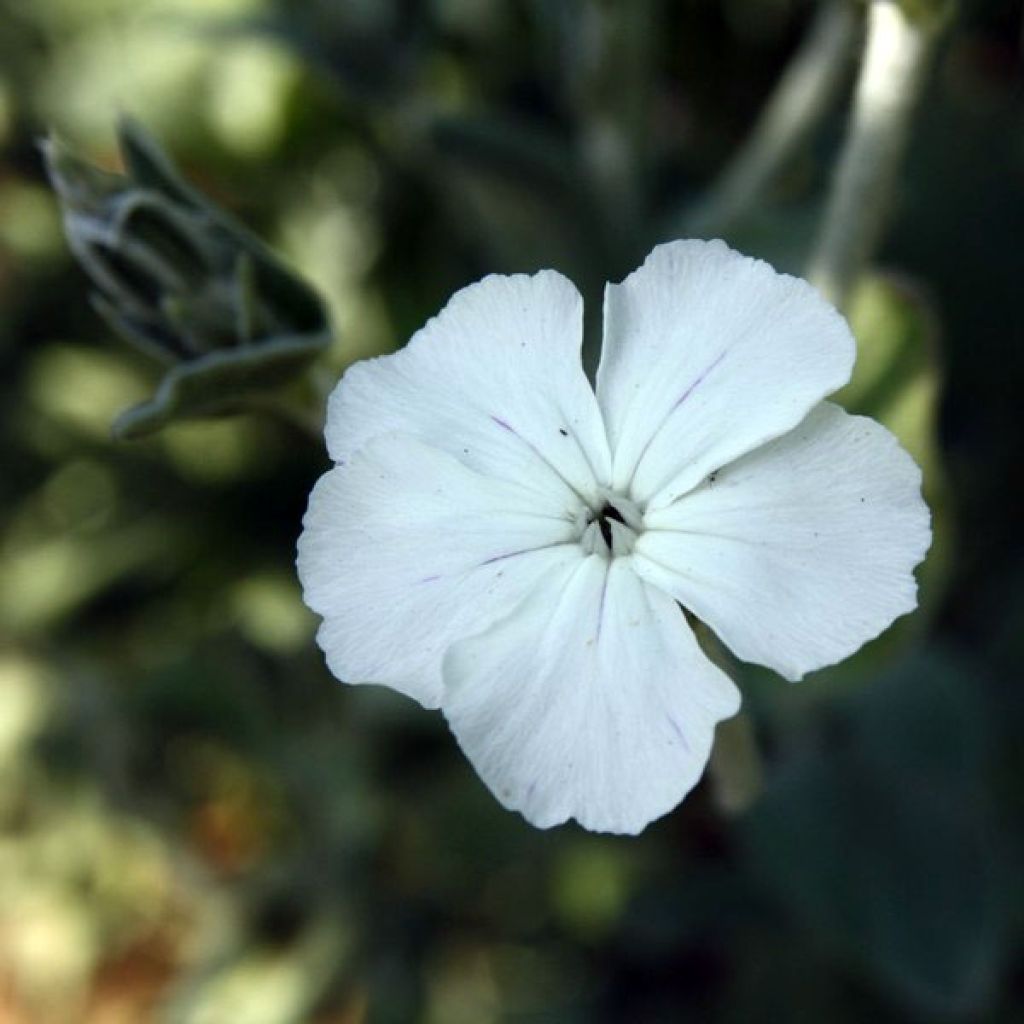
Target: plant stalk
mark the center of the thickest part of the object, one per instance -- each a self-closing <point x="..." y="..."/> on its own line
<point x="897" y="54"/>
<point x="803" y="96"/>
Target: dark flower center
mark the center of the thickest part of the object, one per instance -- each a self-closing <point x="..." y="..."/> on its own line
<point x="604" y="521"/>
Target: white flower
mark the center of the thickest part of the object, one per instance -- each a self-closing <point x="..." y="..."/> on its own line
<point x="498" y="541"/>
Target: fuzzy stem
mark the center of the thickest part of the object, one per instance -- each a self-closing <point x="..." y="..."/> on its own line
<point x="896" y="57"/>
<point x="802" y="97"/>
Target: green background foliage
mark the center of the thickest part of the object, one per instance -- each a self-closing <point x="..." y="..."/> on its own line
<point x="198" y="825"/>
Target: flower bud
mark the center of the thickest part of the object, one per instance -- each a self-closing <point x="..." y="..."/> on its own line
<point x="179" y="278"/>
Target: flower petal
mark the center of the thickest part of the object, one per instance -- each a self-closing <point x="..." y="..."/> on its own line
<point x="800" y="552"/>
<point x="495" y="380"/>
<point x="404" y="550"/>
<point x="708" y="354"/>
<point x="591" y="701"/>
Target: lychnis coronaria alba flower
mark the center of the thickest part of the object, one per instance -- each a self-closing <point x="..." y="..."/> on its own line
<point x="500" y="541"/>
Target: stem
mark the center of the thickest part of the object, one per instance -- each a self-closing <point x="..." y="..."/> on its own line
<point x="802" y="97"/>
<point x="896" y="57"/>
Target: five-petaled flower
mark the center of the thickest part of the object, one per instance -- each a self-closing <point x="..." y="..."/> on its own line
<point x="499" y="541"/>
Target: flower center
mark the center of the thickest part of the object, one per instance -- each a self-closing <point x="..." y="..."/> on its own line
<point x="605" y="518"/>
<point x="610" y="528"/>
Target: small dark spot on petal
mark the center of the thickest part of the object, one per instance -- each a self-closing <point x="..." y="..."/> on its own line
<point x="565" y="433"/>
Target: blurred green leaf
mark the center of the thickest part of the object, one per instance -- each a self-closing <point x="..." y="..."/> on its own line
<point x="880" y="842"/>
<point x="533" y="202"/>
<point x="372" y="51"/>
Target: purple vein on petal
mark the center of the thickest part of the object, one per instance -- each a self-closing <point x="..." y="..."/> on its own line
<point x="508" y="554"/>
<point x="524" y="551"/>
<point x="540" y="455"/>
<point x="678" y="732"/>
<point x="600" y="607"/>
<point x="686" y="394"/>
<point x="701" y="377"/>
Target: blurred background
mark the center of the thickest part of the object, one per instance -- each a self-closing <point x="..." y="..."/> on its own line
<point x="199" y="825"/>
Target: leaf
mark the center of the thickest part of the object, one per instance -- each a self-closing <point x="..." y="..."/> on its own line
<point x="880" y="843"/>
<point x="529" y="196"/>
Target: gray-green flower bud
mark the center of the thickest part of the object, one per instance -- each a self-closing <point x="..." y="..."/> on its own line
<point x="183" y="281"/>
